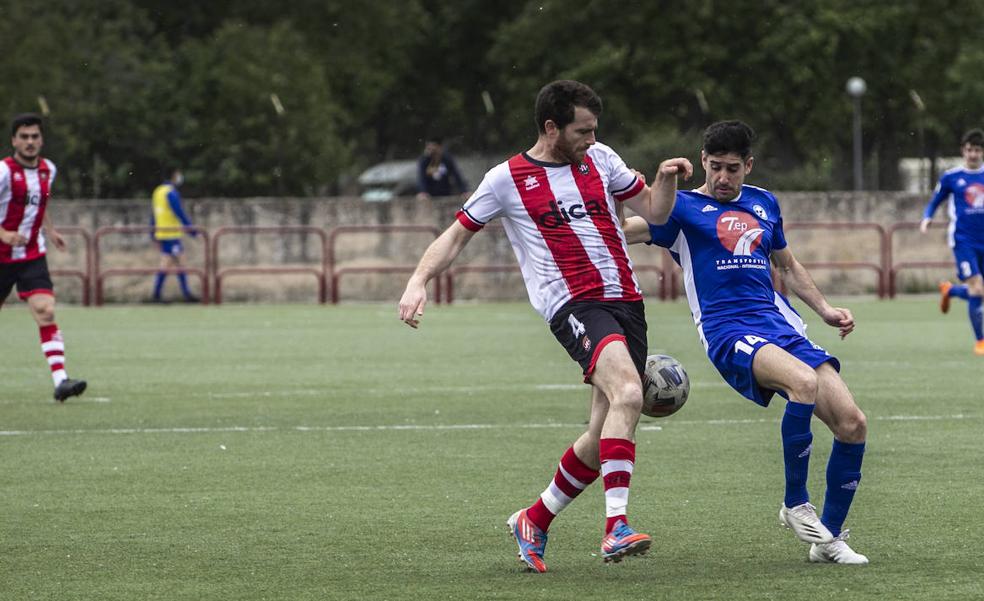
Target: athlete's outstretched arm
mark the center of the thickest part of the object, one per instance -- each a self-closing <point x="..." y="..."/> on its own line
<point x="798" y="279"/>
<point x="656" y="206"/>
<point x="436" y="259"/>
<point x="942" y="192"/>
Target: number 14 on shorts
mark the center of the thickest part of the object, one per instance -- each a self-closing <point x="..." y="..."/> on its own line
<point x="748" y="344"/>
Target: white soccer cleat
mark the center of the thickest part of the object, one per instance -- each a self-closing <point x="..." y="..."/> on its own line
<point x="837" y="552"/>
<point x="803" y="520"/>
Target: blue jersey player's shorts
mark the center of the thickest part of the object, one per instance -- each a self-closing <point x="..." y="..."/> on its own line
<point x="732" y="350"/>
<point x="969" y="261"/>
<point x="171" y="247"/>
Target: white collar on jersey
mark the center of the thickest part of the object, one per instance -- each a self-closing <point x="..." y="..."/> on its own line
<point x="735" y="199"/>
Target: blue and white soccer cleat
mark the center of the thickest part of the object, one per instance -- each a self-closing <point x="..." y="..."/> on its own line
<point x="623" y="541"/>
<point x="531" y="540"/>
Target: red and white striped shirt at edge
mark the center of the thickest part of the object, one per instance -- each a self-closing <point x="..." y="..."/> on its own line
<point x="563" y="226"/>
<point x="23" y="199"/>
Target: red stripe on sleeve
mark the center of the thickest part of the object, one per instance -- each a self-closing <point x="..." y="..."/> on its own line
<point x="468" y="222"/>
<point x="631" y="192"/>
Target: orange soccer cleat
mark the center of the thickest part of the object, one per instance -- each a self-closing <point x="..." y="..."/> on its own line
<point x="979" y="347"/>
<point x="623" y="541"/>
<point x="531" y="540"/>
<point x="945" y="296"/>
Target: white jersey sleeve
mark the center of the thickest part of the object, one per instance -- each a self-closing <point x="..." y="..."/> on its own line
<point x="485" y="204"/>
<point x="623" y="183"/>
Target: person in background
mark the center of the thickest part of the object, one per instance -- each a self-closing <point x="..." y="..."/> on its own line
<point x="963" y="188"/>
<point x="167" y="219"/>
<point x="437" y="172"/>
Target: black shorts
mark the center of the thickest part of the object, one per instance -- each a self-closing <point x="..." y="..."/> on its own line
<point x="585" y="327"/>
<point x="31" y="277"/>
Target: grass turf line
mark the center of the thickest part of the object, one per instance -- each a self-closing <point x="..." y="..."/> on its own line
<point x="419" y="514"/>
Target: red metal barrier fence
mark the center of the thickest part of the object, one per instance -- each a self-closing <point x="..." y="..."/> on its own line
<point x="881" y="268"/>
<point x="94" y="274"/>
<point x="84" y="274"/>
<point x="102" y="275"/>
<point x="894" y="268"/>
<point x="337" y="273"/>
<point x="320" y="273"/>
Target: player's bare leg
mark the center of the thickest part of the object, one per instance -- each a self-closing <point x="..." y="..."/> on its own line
<point x="617" y="380"/>
<point x="586" y="446"/>
<point x="42" y="308"/>
<point x="837" y="409"/>
<point x="776" y="369"/>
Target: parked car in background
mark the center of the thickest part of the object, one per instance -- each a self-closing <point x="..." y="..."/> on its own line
<point x="390" y="179"/>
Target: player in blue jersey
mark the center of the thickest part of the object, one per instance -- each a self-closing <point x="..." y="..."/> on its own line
<point x="724" y="235"/>
<point x="964" y="188"/>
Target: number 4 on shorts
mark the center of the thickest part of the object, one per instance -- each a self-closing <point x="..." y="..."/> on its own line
<point x="747" y="346"/>
<point x="576" y="325"/>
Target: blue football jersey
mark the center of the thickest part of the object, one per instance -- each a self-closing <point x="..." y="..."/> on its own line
<point x="724" y="248"/>
<point x="964" y="189"/>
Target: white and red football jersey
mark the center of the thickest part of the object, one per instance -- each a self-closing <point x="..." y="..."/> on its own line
<point x="563" y="226"/>
<point x="23" y="199"/>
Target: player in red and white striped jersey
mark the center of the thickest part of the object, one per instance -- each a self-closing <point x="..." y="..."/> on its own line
<point x="558" y="205"/>
<point x="25" y="184"/>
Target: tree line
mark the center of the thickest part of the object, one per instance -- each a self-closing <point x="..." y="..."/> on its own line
<point x="294" y="99"/>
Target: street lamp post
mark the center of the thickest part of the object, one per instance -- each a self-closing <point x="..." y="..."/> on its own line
<point x="856" y="87"/>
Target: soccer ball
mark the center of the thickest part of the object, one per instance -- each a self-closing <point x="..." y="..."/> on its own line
<point x="665" y="386"/>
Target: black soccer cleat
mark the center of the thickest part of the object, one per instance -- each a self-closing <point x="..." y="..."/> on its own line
<point x="69" y="388"/>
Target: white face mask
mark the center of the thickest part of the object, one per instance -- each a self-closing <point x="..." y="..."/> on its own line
<point x="178" y="179"/>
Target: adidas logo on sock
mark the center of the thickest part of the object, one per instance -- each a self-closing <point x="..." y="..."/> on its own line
<point x="852" y="485"/>
<point x="806" y="452"/>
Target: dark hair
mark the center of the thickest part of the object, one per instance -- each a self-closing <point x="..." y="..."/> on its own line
<point x="556" y="102"/>
<point x="167" y="172"/>
<point x="26" y="120"/>
<point x="974" y="137"/>
<point x="435" y="139"/>
<point x="726" y="137"/>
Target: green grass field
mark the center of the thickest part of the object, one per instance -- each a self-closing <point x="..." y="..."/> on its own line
<point x="303" y="452"/>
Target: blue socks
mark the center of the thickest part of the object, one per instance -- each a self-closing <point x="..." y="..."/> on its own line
<point x="974" y="311"/>
<point x="159" y="284"/>
<point x="959" y="291"/>
<point x="843" y="476"/>
<point x="183" y="280"/>
<point x="797" y="442"/>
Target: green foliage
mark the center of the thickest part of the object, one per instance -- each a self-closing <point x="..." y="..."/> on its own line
<point x="132" y="84"/>
<point x="230" y="97"/>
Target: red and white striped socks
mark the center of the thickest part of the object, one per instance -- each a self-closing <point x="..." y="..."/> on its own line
<point x="617" y="459"/>
<point x="571" y="479"/>
<point x="54" y="352"/>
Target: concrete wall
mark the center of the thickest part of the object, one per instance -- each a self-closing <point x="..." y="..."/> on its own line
<point x="491" y="246"/>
